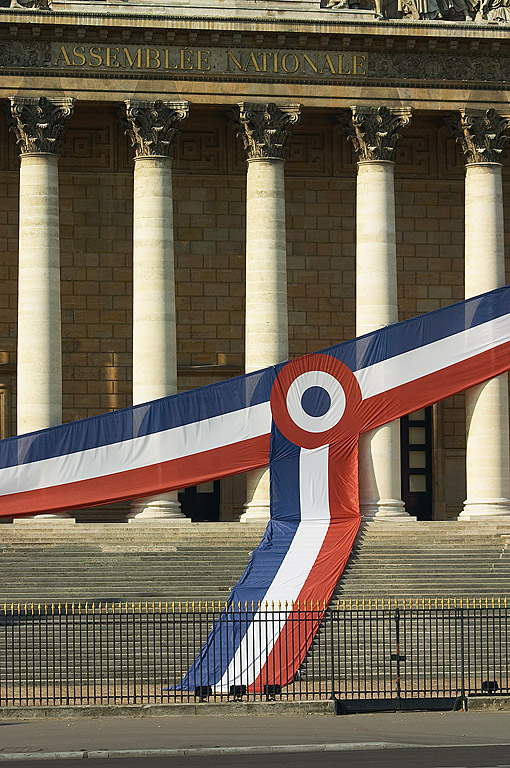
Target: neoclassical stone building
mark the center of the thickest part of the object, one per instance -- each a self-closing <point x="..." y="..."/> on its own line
<point x="192" y="190"/>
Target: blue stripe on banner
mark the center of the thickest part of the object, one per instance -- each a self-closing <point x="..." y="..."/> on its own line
<point x="108" y="428"/>
<point x="226" y="636"/>
<point x="424" y="329"/>
<point x="243" y="391"/>
<point x="265" y="562"/>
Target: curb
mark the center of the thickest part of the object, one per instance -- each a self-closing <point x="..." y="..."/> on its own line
<point x="201" y="751"/>
<point x="484" y="703"/>
<point x="231" y="709"/>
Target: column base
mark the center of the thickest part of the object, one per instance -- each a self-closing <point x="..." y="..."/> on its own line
<point x="255" y="513"/>
<point x="485" y="509"/>
<point x="157" y="509"/>
<point x="385" y="509"/>
<point x="57" y="517"/>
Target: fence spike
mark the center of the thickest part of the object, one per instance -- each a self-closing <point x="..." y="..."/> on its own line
<point x="193" y="606"/>
<point x="252" y="605"/>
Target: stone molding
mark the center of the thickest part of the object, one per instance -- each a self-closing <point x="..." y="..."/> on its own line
<point x="481" y="136"/>
<point x="152" y="126"/>
<point x="39" y="123"/>
<point x="374" y="131"/>
<point x="263" y="128"/>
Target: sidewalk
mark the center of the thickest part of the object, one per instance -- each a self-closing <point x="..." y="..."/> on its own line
<point x="208" y="734"/>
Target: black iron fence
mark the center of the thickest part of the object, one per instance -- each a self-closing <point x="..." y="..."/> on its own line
<point x="366" y="655"/>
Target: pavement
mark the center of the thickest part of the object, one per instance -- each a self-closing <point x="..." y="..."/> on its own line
<point x="213" y="735"/>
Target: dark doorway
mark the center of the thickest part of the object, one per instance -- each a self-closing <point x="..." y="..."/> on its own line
<point x="416" y="450"/>
<point x="201" y="502"/>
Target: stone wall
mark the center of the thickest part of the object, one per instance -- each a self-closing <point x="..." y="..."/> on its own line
<point x="209" y="183"/>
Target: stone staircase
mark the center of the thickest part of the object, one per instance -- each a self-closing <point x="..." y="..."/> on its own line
<point x="63" y="562"/>
<point x="45" y="562"/>
<point x="428" y="560"/>
<point x="59" y="562"/>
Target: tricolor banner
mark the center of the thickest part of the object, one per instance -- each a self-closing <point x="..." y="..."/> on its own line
<point x="304" y="419"/>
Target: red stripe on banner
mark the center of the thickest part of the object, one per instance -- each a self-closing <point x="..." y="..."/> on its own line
<point x="296" y="636"/>
<point x="420" y="393"/>
<point x="145" y="481"/>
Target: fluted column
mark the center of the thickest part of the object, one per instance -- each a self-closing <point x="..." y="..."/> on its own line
<point x="152" y="129"/>
<point x="38" y="124"/>
<point x="482" y="138"/>
<point x="263" y="130"/>
<point x="373" y="132"/>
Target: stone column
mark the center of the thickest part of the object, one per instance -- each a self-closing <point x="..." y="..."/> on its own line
<point x="152" y="129"/>
<point x="38" y="124"/>
<point x="263" y="130"/>
<point x="482" y="137"/>
<point x="373" y="132"/>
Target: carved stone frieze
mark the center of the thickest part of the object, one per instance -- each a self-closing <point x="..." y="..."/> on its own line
<point x="39" y="124"/>
<point x="152" y="126"/>
<point x="26" y="54"/>
<point x="263" y="128"/>
<point x="437" y="66"/>
<point x="41" y="5"/>
<point x="481" y="136"/>
<point x="374" y="131"/>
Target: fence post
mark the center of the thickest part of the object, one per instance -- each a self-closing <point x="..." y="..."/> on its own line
<point x="462" y="704"/>
<point x="329" y="617"/>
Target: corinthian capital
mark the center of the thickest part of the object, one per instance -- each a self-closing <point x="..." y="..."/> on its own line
<point x="262" y="128"/>
<point x="481" y="135"/>
<point x="374" y="131"/>
<point x="152" y="126"/>
<point x="39" y="123"/>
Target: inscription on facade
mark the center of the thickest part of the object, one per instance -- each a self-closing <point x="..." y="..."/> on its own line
<point x="255" y="64"/>
<point x="215" y="61"/>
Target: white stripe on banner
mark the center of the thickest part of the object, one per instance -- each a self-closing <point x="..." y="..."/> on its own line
<point x="138" y="452"/>
<point x="401" y="369"/>
<point x="292" y="574"/>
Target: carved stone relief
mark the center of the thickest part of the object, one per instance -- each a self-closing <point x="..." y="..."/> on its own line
<point x="263" y="128"/>
<point x="374" y="131"/>
<point x="26" y="54"/>
<point x="152" y="126"/>
<point x="39" y="124"/>
<point x="482" y="137"/>
<point x="429" y="10"/>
